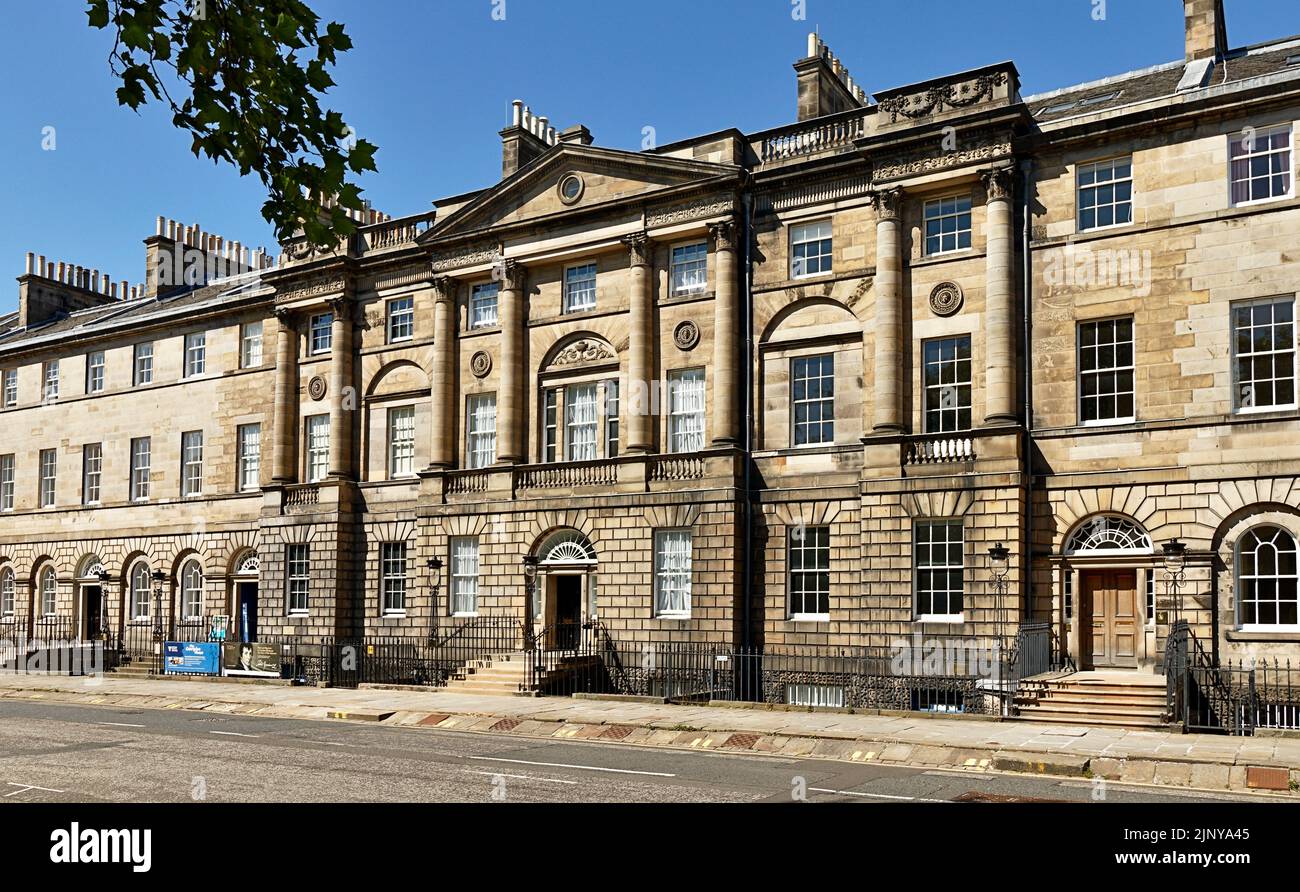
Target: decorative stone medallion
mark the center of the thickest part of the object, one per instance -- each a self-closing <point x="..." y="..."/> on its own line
<point x="480" y="364"/>
<point x="946" y="298"/>
<point x="686" y="335"/>
<point x="316" y="388"/>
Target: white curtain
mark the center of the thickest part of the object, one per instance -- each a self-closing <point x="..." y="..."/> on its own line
<point x="673" y="559"/>
<point x="580" y="422"/>
<point x="464" y="575"/>
<point x="686" y="410"/>
<point x="482" y="431"/>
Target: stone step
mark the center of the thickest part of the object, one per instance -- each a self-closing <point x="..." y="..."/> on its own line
<point x="1085" y="719"/>
<point x="1093" y="708"/>
<point x="1071" y="695"/>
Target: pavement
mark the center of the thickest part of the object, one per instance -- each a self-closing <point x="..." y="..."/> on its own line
<point x="1169" y="759"/>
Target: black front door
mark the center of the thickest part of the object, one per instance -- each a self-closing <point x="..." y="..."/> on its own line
<point x="92" y="613"/>
<point x="568" y="611"/>
<point x="247" y="618"/>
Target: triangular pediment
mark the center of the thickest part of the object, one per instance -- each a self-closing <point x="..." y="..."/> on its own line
<point x="545" y="188"/>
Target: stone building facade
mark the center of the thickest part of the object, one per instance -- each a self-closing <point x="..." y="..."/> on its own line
<point x="779" y="389"/>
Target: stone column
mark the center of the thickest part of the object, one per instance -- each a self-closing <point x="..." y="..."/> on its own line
<point x="284" y="458"/>
<point x="445" y="334"/>
<point x="726" y="335"/>
<point x="640" y="364"/>
<point x="343" y="397"/>
<point x="889" y="312"/>
<point x="514" y="332"/>
<point x="999" y="301"/>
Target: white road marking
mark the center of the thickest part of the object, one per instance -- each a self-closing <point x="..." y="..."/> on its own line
<point x="580" y="767"/>
<point x="233" y="734"/>
<point x="874" y="795"/>
<point x="28" y="787"/>
<point x="119" y="724"/>
<point x="545" y="780"/>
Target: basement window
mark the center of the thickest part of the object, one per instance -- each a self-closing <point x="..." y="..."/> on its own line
<point x="814" y="695"/>
<point x="938" y="700"/>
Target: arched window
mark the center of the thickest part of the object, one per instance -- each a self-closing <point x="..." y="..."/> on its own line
<point x="7" y="599"/>
<point x="567" y="547"/>
<point x="1266" y="578"/>
<point x="49" y="592"/>
<point x="140" y="591"/>
<point x="192" y="590"/>
<point x="1108" y="533"/>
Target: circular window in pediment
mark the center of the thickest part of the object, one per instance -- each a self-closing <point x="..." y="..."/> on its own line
<point x="571" y="187"/>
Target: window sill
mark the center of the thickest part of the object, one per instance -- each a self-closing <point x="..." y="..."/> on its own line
<point x="672" y="616"/>
<point x="465" y="615"/>
<point x="809" y="618"/>
<point x="1258" y="201"/>
<point x="1093" y="230"/>
<point x="1264" y="410"/>
<point x="1291" y="634"/>
<point x="1109" y="422"/>
<point x="941" y="619"/>
<point x="394" y="614"/>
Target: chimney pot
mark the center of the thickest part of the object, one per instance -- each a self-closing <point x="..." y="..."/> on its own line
<point x="31" y="259"/>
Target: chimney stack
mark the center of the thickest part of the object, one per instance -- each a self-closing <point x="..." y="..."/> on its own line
<point x="179" y="255"/>
<point x="527" y="136"/>
<point x="47" y="290"/>
<point x="825" y="85"/>
<point x="1206" y="29"/>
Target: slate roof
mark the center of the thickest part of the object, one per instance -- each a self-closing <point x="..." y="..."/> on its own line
<point x="1160" y="81"/>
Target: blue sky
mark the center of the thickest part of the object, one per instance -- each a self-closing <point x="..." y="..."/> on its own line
<point x="430" y="82"/>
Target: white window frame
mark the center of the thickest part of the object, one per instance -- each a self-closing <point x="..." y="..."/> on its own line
<point x="400" y="313"/>
<point x="823" y="404"/>
<point x="191" y="464"/>
<point x="581" y="432"/>
<point x="687" y="426"/>
<point x="191" y="595"/>
<point x="825" y="696"/>
<point x="924" y="561"/>
<point x="49" y="591"/>
<point x="1098" y="371"/>
<point x="1096" y="187"/>
<point x="320" y="334"/>
<point x="95" y="363"/>
<point x="689" y="268"/>
<point x="393" y="566"/>
<point x="1238" y="403"/>
<point x="92" y="472"/>
<point x="49" y="480"/>
<point x="8" y="591"/>
<point x="140" y="472"/>
<point x="251" y="353"/>
<point x="196" y="354"/>
<point x="480" y="442"/>
<point x="249" y="440"/>
<point x="672" y="590"/>
<point x="316" y="437"/>
<point x="465" y="563"/>
<point x="10" y="388"/>
<point x="484" y="305"/>
<point x="797" y="547"/>
<point x="952" y="392"/>
<point x="579" y="287"/>
<point x="297" y="578"/>
<point x="812" y="232"/>
<point x="955" y="208"/>
<point x="141" y="594"/>
<point x="1277" y="579"/>
<point x="7" y="482"/>
<point x="142" y="364"/>
<point x="610" y="405"/>
<point x="50" y="377"/>
<point x="401" y="451"/>
<point x="1266" y="133"/>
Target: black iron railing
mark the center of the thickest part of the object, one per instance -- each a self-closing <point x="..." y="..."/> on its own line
<point x="1234" y="698"/>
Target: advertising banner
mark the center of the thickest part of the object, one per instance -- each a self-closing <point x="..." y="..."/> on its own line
<point x="191" y="658"/>
<point x="250" y="658"/>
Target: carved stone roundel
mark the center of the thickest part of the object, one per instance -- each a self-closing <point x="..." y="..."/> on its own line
<point x="946" y="298"/>
<point x="686" y="335"/>
<point x="480" y="364"/>
<point x="316" y="387"/>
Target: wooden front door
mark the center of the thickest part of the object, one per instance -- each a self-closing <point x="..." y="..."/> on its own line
<point x="1110" y="597"/>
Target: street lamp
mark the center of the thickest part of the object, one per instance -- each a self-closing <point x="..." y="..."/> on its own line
<point x="435" y="578"/>
<point x="104" y="579"/>
<point x="1175" y="572"/>
<point x="530" y="564"/>
<point x="159" y="577"/>
<point x="999" y="567"/>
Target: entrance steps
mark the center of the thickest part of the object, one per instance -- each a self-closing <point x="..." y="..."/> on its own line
<point x="501" y="674"/>
<point x="1122" y="699"/>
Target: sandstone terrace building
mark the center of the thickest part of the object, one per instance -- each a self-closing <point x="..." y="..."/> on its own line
<point x="778" y="390"/>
